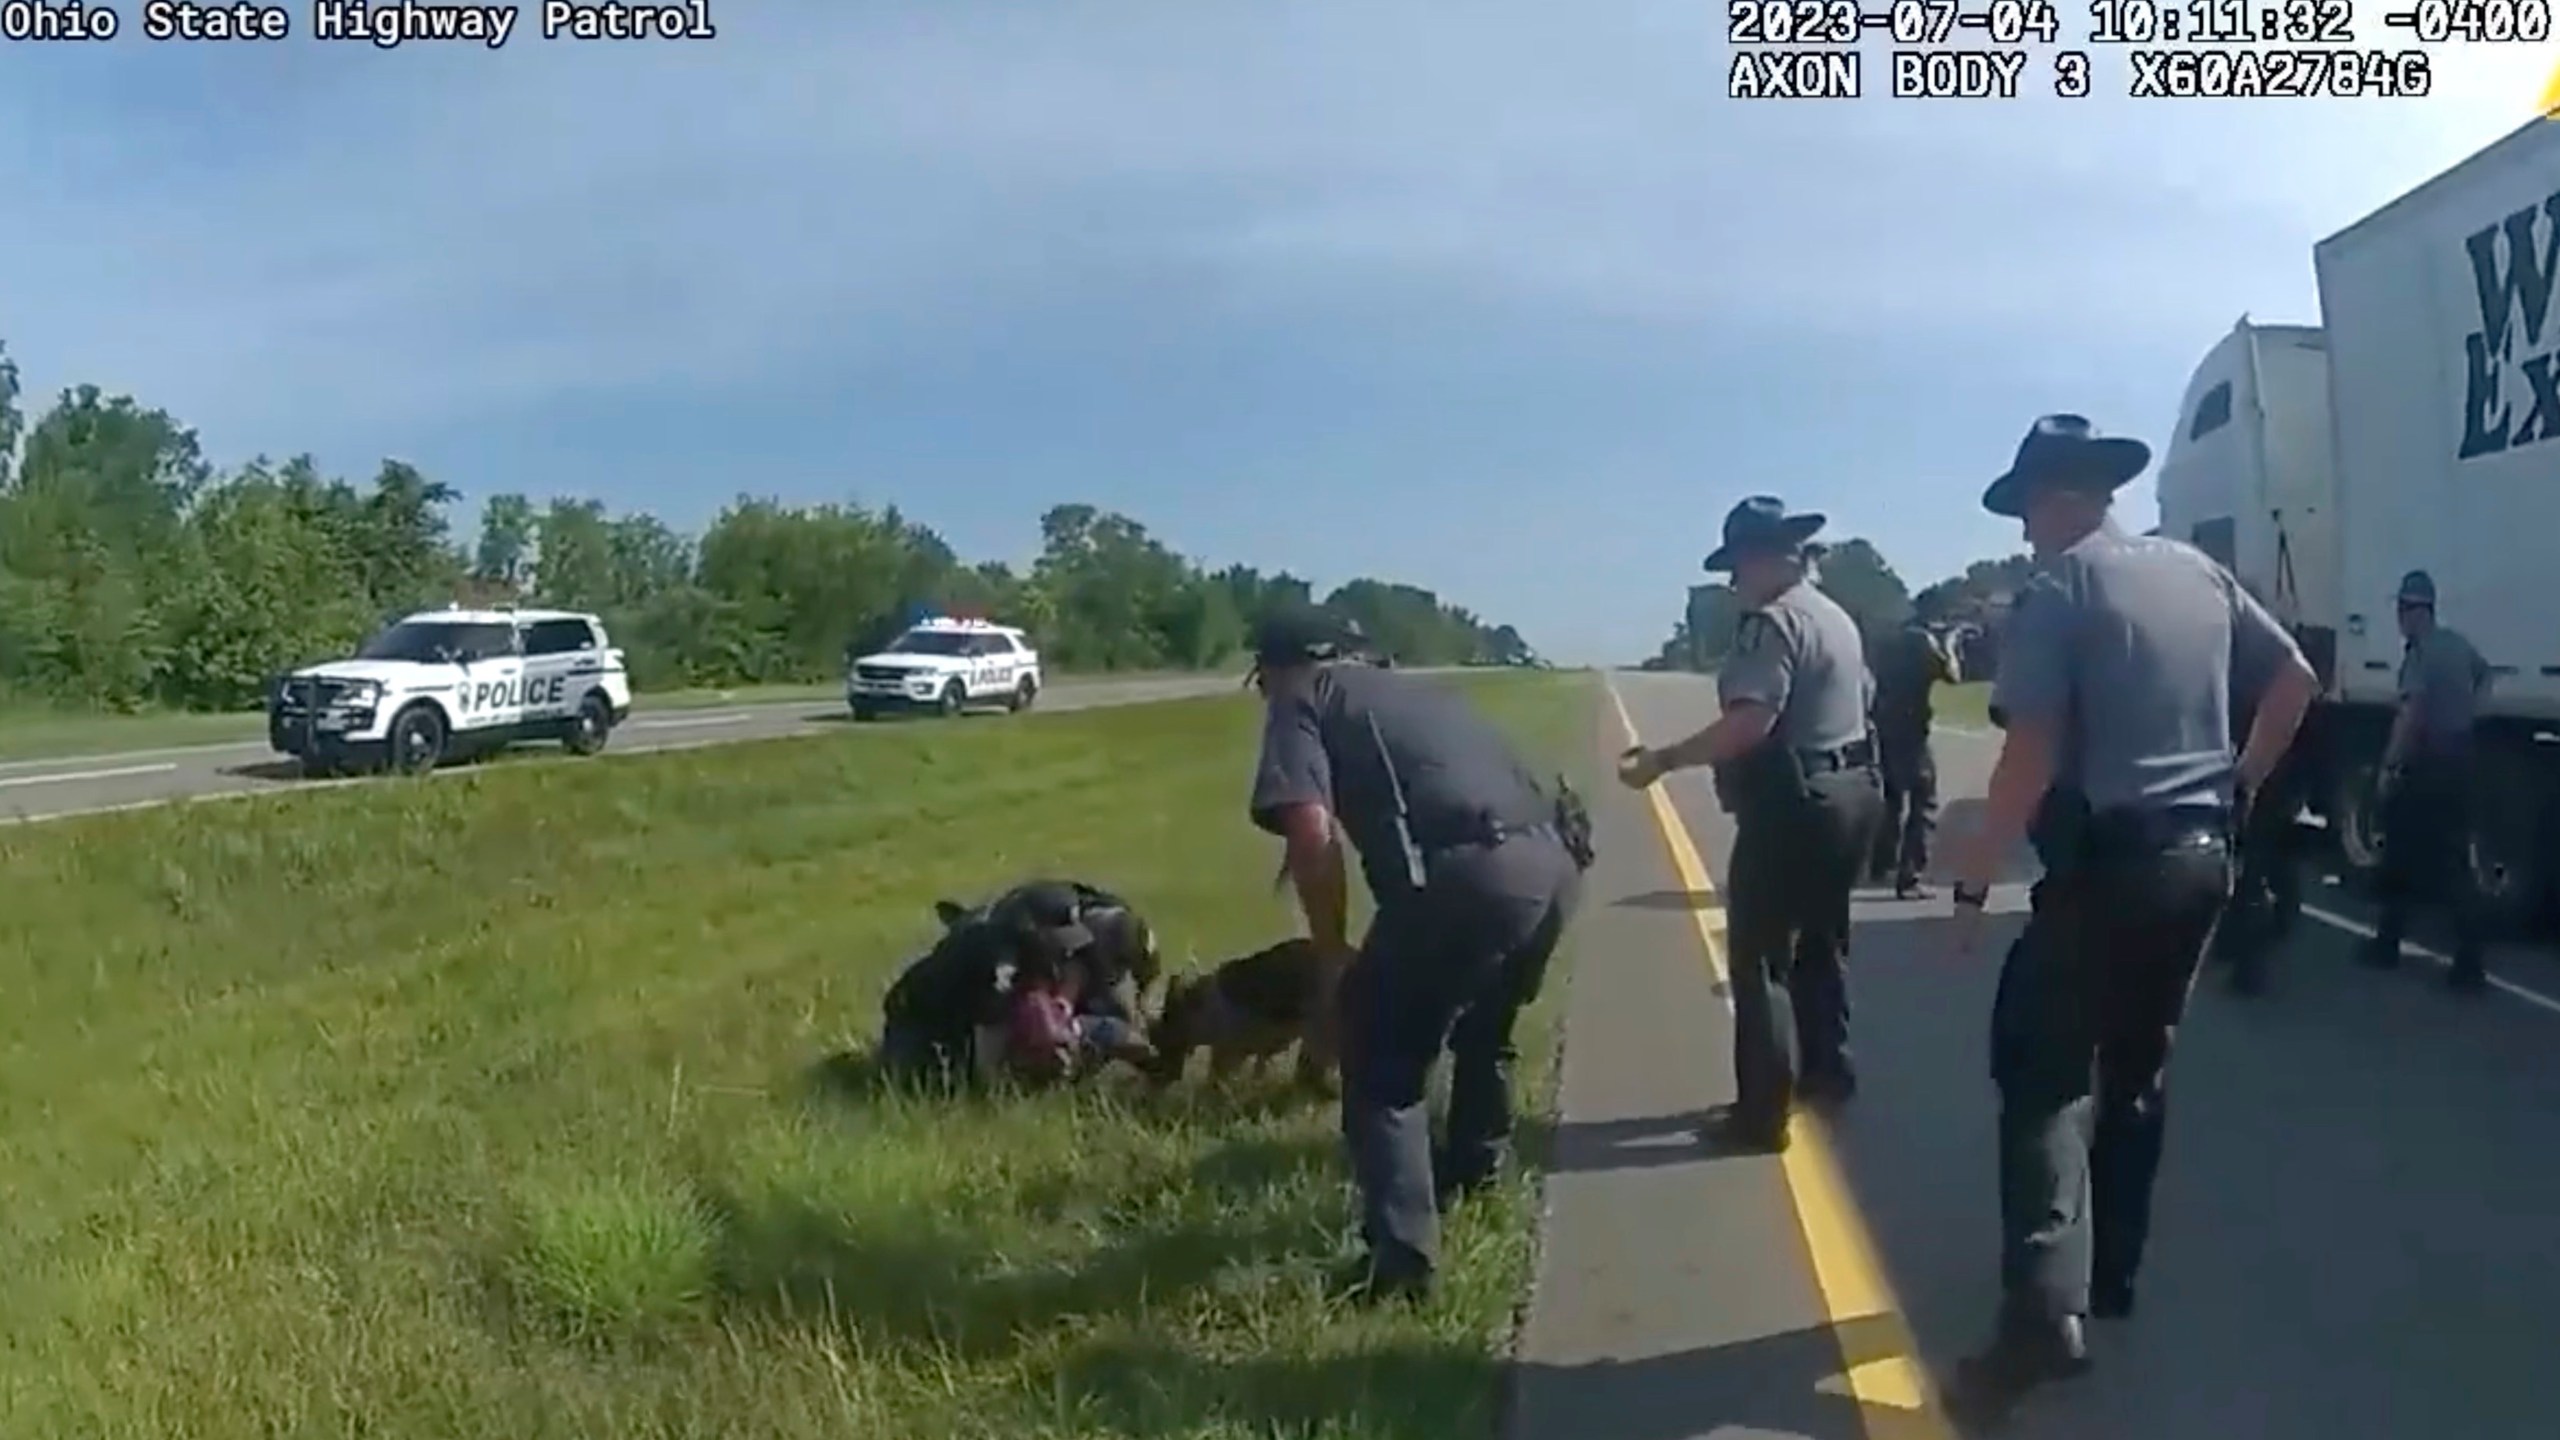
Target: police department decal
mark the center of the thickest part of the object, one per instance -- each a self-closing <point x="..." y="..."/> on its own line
<point x="528" y="692"/>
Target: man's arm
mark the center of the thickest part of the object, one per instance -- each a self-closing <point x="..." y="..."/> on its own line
<point x="1293" y="799"/>
<point x="2404" y="721"/>
<point x="2031" y="703"/>
<point x="1753" y="684"/>
<point x="2266" y="662"/>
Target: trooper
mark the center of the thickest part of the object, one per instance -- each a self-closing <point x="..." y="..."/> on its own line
<point x="1912" y="665"/>
<point x="2117" y="666"/>
<point x="1796" y="768"/>
<point x="2426" y="786"/>
<point x="1474" y="867"/>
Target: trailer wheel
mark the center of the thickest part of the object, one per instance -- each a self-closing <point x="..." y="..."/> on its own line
<point x="2355" y="814"/>
<point x="2506" y="830"/>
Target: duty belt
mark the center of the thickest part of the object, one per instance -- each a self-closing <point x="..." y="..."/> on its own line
<point x="1491" y="834"/>
<point x="1856" y="755"/>
<point x="2129" y="831"/>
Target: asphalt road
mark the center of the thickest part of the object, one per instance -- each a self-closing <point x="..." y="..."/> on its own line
<point x="33" y="790"/>
<point x="2352" y="1238"/>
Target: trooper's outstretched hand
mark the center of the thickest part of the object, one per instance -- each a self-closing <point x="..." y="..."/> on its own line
<point x="1639" y="767"/>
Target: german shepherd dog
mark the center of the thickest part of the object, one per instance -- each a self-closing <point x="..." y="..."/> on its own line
<point x="1248" y="1010"/>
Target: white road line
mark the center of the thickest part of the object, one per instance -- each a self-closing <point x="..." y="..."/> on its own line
<point x="677" y="722"/>
<point x="151" y="754"/>
<point x="2352" y="926"/>
<point x="108" y="774"/>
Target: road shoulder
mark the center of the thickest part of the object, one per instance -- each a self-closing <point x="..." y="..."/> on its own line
<point x="1677" y="1293"/>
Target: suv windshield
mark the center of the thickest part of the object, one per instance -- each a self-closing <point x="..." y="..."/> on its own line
<point x="930" y="642"/>
<point x="429" y="641"/>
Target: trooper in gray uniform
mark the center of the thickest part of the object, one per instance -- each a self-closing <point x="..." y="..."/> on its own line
<point x="1475" y="868"/>
<point x="2426" y="780"/>
<point x="2116" y="674"/>
<point x="1796" y="768"/>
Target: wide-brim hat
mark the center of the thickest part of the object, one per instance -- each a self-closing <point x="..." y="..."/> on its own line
<point x="2416" y="588"/>
<point x="1047" y="914"/>
<point x="2065" y="450"/>
<point x="1760" y="525"/>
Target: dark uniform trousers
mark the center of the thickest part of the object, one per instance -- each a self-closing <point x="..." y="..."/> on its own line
<point x="1798" y="849"/>
<point x="1450" y="965"/>
<point x="1910" y="802"/>
<point x="2267" y="894"/>
<point x="2426" y="852"/>
<point x="2088" y="1006"/>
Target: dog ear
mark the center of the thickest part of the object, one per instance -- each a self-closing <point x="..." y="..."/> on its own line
<point x="950" y="912"/>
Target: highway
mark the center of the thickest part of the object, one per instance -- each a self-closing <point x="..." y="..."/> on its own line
<point x="2353" y="1233"/>
<point x="36" y="790"/>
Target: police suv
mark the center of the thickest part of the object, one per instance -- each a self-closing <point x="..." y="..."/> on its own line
<point x="444" y="683"/>
<point x="946" y="666"/>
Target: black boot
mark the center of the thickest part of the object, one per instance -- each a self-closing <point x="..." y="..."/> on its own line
<point x="1732" y="1132"/>
<point x="2468" y="975"/>
<point x="2021" y="1358"/>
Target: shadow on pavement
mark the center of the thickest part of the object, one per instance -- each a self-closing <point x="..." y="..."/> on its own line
<point x="1672" y="900"/>
<point x="2351" y="1237"/>
<point x="1644" y="1143"/>
<point x="1784" y="1384"/>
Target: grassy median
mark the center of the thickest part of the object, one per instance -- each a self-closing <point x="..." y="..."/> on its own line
<point x="491" y="1106"/>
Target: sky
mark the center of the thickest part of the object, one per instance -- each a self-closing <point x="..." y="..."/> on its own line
<point x="1506" y="299"/>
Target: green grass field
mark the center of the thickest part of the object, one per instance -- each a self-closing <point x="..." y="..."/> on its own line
<point x="1965" y="705"/>
<point x="494" y="1108"/>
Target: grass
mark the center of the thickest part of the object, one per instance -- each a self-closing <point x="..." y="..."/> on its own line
<point x="499" y="1106"/>
<point x="1968" y="706"/>
<point x="45" y="732"/>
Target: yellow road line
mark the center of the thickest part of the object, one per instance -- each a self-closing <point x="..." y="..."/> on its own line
<point x="1882" y="1364"/>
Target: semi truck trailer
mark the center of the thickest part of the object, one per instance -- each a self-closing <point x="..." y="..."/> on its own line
<point x="2416" y="427"/>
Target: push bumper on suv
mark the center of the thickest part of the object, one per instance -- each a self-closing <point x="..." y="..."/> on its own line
<point x="327" y="720"/>
<point x="891" y="687"/>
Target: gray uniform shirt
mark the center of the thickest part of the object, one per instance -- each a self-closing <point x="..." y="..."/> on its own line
<point x="2130" y="646"/>
<point x="1800" y="655"/>
<point x="1365" y="737"/>
<point x="2446" y="677"/>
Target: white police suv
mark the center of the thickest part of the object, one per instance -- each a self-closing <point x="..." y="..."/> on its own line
<point x="946" y="666"/>
<point x="444" y="683"/>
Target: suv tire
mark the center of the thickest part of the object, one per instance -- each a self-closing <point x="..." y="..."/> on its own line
<point x="1023" y="695"/>
<point x="955" y="698"/>
<point x="416" y="742"/>
<point x="590" y="727"/>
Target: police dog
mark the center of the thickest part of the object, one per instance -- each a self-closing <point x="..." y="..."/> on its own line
<point x="1246" y="1011"/>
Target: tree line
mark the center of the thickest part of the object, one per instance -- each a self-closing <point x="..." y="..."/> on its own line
<point x="135" y="573"/>
<point x="1856" y="575"/>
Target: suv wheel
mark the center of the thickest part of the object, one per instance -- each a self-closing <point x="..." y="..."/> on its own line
<point x="590" y="727"/>
<point x="1025" y="693"/>
<point x="417" y="741"/>
<point x="955" y="698"/>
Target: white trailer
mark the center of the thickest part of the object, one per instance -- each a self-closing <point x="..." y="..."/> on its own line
<point x="2417" y="428"/>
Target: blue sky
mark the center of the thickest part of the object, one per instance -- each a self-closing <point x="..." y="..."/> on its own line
<point x="1501" y="298"/>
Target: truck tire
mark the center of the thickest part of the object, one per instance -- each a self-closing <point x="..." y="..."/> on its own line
<point x="590" y="728"/>
<point x="2354" y="812"/>
<point x="2508" y="868"/>
<point x="1024" y="694"/>
<point x="955" y="698"/>
<point x="417" y="740"/>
